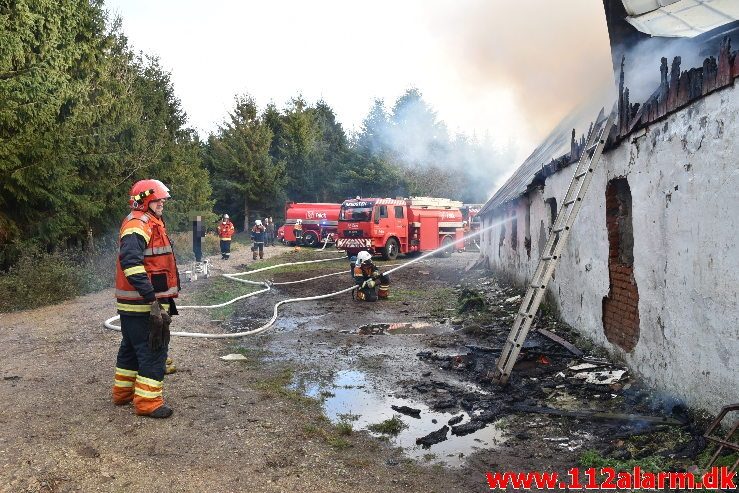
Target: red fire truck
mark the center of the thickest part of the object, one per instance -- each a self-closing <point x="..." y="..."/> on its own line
<point x="470" y="214"/>
<point x="388" y="227"/>
<point x="319" y="222"/>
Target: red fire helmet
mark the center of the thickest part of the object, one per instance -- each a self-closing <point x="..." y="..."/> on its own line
<point x="144" y="191"/>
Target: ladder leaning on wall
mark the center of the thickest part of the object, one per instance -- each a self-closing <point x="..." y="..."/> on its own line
<point x="587" y="163"/>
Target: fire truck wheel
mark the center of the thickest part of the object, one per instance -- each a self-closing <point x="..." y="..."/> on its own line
<point x="390" y="252"/>
<point x="446" y="242"/>
<point x="310" y="239"/>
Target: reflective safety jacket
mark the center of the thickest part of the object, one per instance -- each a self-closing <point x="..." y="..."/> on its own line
<point x="371" y="283"/>
<point x="146" y="269"/>
<point x="257" y="234"/>
<point x="225" y="230"/>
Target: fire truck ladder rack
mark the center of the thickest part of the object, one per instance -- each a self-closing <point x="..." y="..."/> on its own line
<point x="555" y="244"/>
<point x="434" y="202"/>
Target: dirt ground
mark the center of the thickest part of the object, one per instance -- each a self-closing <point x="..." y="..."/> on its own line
<point x="294" y="415"/>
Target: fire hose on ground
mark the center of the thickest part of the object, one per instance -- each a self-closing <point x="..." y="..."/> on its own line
<point x="108" y="324"/>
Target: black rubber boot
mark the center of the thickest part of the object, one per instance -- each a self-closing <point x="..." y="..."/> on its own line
<point x="163" y="411"/>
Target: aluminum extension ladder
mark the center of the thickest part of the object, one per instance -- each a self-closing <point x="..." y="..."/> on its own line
<point x="587" y="163"/>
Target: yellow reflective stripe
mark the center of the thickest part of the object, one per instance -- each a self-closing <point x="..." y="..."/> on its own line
<point x="123" y="383"/>
<point x="225" y="239"/>
<point x="133" y="308"/>
<point x="149" y="381"/>
<point x="138" y="269"/>
<point x="123" y="293"/>
<point x="137" y="231"/>
<point x="126" y="373"/>
<point x="158" y="250"/>
<point x="166" y="294"/>
<point x="146" y="393"/>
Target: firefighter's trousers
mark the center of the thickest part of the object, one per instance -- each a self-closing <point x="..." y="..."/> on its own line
<point x="258" y="246"/>
<point x="139" y="373"/>
<point x="225" y="248"/>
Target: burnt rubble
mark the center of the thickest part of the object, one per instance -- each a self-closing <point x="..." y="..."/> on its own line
<point x="434" y="437"/>
<point x="559" y="377"/>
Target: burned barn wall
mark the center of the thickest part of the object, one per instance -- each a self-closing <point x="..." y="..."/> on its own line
<point x="682" y="169"/>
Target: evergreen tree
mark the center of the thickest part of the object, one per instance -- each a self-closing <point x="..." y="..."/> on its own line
<point x="243" y="173"/>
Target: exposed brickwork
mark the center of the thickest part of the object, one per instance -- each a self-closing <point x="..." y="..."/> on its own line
<point x="621" y="306"/>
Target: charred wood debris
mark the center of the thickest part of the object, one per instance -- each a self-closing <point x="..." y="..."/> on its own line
<point x="559" y="376"/>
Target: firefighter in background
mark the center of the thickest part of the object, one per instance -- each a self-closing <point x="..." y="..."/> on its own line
<point x="258" y="232"/>
<point x="145" y="287"/>
<point x="225" y="232"/>
<point x="372" y="284"/>
<point x="270" y="231"/>
<point x="298" y="230"/>
<point x="465" y="232"/>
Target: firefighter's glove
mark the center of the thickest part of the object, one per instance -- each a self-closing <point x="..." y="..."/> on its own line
<point x="159" y="321"/>
<point x="369" y="283"/>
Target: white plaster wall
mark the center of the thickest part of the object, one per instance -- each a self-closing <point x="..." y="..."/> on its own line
<point x="684" y="178"/>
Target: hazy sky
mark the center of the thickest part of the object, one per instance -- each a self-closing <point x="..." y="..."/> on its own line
<point x="510" y="68"/>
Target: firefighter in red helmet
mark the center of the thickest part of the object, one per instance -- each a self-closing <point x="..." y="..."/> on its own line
<point x="146" y="285"/>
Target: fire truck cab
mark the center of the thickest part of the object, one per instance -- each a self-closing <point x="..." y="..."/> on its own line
<point x="388" y="227"/>
<point x="319" y="222"/>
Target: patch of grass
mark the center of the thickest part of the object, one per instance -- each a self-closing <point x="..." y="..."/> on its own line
<point x="338" y="442"/>
<point x="429" y="457"/>
<point x="277" y="386"/>
<point x="470" y="300"/>
<point x="593" y="458"/>
<point x="704" y="457"/>
<point x="218" y="290"/>
<point x="348" y="416"/>
<point x="391" y="426"/>
<point x="344" y="428"/>
<point x="310" y="430"/>
<point x="403" y="294"/>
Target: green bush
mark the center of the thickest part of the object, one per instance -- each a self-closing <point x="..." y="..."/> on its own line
<point x="39" y="280"/>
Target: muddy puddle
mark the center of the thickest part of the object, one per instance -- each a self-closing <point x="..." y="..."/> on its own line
<point x="351" y="397"/>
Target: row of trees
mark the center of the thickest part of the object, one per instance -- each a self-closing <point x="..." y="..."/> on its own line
<point x="257" y="161"/>
<point x="82" y="117"/>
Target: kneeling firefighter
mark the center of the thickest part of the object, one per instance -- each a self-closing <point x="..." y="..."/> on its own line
<point x="372" y="284"/>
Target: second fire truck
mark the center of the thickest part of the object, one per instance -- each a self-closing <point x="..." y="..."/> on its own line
<point x="318" y="219"/>
<point x="388" y="227"/>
